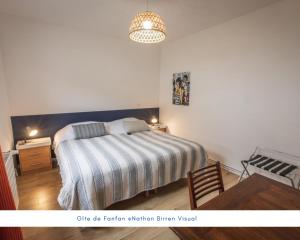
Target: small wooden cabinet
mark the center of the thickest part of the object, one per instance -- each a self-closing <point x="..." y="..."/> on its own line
<point x="35" y="155"/>
<point x="159" y="127"/>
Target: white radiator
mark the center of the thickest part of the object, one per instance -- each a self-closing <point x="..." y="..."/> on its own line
<point x="10" y="169"/>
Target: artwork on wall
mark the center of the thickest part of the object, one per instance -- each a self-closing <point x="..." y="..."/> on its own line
<point x="181" y="88"/>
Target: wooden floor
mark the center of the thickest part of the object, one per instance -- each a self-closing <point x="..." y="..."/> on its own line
<point x="39" y="191"/>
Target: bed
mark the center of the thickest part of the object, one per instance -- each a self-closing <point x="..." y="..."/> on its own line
<point x="97" y="172"/>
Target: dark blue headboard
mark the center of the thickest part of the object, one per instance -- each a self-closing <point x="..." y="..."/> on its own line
<point x="49" y="124"/>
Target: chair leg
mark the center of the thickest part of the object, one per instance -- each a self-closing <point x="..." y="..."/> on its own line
<point x="244" y="171"/>
<point x="292" y="183"/>
<point x="241" y="177"/>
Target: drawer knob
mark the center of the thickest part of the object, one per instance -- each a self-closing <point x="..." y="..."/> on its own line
<point x="34" y="155"/>
<point x="35" y="164"/>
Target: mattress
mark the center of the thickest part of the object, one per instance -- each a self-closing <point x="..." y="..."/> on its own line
<point x="98" y="172"/>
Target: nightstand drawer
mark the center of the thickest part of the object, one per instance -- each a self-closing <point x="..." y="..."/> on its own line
<point x="35" y="164"/>
<point x="35" y="158"/>
<point x="159" y="127"/>
<point x="163" y="129"/>
<point x="33" y="153"/>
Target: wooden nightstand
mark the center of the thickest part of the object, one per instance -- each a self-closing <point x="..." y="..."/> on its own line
<point x="160" y="127"/>
<point x="34" y="155"/>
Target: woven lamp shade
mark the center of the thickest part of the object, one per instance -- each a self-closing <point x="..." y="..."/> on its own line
<point x="147" y="27"/>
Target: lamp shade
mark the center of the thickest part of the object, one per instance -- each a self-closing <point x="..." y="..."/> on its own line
<point x="147" y="27"/>
<point x="154" y="120"/>
<point x="31" y="132"/>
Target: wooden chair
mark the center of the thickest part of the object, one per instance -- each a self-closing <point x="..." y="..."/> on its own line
<point x="204" y="181"/>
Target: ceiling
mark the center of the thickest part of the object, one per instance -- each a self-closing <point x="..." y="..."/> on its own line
<point x="113" y="17"/>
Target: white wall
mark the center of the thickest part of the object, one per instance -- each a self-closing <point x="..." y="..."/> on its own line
<point x="245" y="84"/>
<point x="5" y="126"/>
<point x="244" y="78"/>
<point x="52" y="69"/>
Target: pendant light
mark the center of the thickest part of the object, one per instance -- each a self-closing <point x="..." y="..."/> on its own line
<point x="147" y="27"/>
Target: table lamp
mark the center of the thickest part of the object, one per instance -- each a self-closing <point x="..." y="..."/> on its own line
<point x="31" y="132"/>
<point x="154" y="121"/>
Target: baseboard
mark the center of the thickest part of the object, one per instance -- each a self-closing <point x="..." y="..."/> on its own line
<point x="232" y="170"/>
<point x="227" y="168"/>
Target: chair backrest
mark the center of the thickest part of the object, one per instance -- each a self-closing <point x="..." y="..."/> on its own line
<point x="204" y="181"/>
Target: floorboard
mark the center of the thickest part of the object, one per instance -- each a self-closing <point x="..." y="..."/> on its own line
<point x="39" y="191"/>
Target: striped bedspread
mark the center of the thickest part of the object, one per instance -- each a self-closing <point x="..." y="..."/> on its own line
<point x="98" y="172"/>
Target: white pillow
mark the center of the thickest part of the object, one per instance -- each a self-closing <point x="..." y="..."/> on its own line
<point x="135" y="126"/>
<point x="117" y="126"/>
<point x="66" y="133"/>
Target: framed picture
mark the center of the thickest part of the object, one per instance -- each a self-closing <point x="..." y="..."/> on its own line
<point x="181" y="88"/>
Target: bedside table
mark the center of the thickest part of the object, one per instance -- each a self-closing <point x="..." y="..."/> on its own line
<point x="159" y="127"/>
<point x="34" y="154"/>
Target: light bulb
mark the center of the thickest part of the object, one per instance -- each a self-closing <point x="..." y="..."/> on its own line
<point x="33" y="132"/>
<point x="147" y="24"/>
<point x="154" y="120"/>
